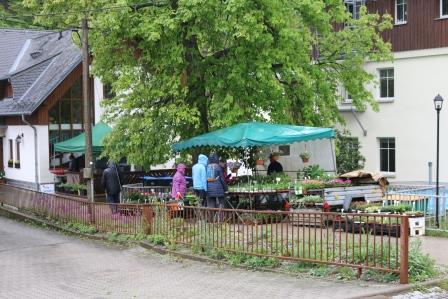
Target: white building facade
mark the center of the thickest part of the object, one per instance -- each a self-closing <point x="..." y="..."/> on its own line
<point x="400" y="139"/>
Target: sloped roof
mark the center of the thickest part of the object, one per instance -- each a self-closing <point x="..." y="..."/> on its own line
<point x="35" y="62"/>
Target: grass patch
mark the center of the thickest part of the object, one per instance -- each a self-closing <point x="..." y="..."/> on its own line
<point x="80" y="227"/>
<point x="432" y="232"/>
<point x="421" y="266"/>
<point x="345" y="273"/>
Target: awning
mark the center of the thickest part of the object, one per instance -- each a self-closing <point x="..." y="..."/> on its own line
<point x="255" y="134"/>
<point x="78" y="144"/>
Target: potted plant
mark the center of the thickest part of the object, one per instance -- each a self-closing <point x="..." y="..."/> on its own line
<point x="311" y="200"/>
<point x="259" y="158"/>
<point x="2" y="176"/>
<point x="79" y="189"/>
<point x="17" y="164"/>
<point x="305" y="156"/>
<point x="10" y="163"/>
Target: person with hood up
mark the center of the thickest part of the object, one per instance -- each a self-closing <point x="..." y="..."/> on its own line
<point x="216" y="185"/>
<point x="179" y="183"/>
<point x="200" y="178"/>
<point x="111" y="182"/>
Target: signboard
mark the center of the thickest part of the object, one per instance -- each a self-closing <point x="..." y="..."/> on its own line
<point x="47" y="188"/>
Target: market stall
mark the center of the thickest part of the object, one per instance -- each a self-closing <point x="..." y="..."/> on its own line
<point x="256" y="134"/>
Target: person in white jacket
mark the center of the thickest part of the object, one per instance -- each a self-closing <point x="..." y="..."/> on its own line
<point x="199" y="173"/>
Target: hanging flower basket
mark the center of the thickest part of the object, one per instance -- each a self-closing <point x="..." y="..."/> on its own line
<point x="305" y="156"/>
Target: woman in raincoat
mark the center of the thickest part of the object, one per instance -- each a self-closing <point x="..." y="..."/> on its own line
<point x="179" y="183"/>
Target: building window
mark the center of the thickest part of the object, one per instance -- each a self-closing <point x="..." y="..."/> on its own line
<point x="108" y="92"/>
<point x="346" y="97"/>
<point x="17" y="160"/>
<point x="284" y="150"/>
<point x="387" y="154"/>
<point x="387" y="83"/>
<point x="443" y="8"/>
<point x="354" y="7"/>
<point x="66" y="118"/>
<point x="401" y="11"/>
<point x="11" y="153"/>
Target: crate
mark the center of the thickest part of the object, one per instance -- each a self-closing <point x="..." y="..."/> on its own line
<point x="417" y="226"/>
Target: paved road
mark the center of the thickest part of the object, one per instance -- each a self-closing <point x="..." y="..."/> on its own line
<point x="36" y="263"/>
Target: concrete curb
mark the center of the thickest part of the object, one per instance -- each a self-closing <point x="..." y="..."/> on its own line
<point x="16" y="215"/>
<point x="401" y="288"/>
<point x="202" y="259"/>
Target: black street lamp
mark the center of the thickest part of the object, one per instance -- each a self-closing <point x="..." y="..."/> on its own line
<point x="438" y="102"/>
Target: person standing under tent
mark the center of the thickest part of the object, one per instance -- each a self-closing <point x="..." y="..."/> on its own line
<point x="274" y="166"/>
<point x="111" y="182"/>
<point x="73" y="164"/>
<point x="179" y="183"/>
<point x="216" y="185"/>
<point x="199" y="172"/>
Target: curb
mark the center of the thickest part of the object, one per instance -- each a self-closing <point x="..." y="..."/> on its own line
<point x="16" y="215"/>
<point x="401" y="288"/>
<point x="197" y="258"/>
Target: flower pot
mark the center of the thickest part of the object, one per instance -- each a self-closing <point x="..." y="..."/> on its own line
<point x="260" y="162"/>
<point x="17" y="165"/>
<point x="305" y="160"/>
<point x="309" y="204"/>
<point x="10" y="164"/>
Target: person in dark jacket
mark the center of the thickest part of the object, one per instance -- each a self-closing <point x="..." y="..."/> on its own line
<point x="111" y="182"/>
<point x="216" y="185"/>
<point x="73" y="165"/>
<point x="274" y="166"/>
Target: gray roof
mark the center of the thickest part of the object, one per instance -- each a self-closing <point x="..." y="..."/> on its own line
<point x="35" y="62"/>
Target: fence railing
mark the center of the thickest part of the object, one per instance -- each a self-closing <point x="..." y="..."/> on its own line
<point x="421" y="198"/>
<point x="362" y="241"/>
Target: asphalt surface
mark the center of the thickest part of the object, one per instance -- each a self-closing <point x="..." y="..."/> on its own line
<point x="40" y="263"/>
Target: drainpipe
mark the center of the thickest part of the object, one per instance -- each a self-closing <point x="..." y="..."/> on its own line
<point x="364" y="131"/>
<point x="36" y="156"/>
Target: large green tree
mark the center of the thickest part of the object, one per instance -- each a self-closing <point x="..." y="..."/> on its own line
<point x="14" y="14"/>
<point x="185" y="67"/>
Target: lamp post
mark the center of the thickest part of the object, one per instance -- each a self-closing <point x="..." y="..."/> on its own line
<point x="438" y="102"/>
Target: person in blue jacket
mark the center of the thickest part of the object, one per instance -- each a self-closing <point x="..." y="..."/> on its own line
<point x="200" y="178"/>
<point x="216" y="185"/>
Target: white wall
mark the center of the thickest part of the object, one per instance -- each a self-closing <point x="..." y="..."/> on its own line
<point x="410" y="117"/>
<point x="99" y="94"/>
<point x="26" y="172"/>
<point x="321" y="154"/>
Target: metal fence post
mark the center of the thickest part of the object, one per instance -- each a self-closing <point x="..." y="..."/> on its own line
<point x="404" y="250"/>
<point x="430" y="173"/>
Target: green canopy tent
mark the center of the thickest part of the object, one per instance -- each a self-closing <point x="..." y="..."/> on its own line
<point x="254" y="134"/>
<point x="78" y="144"/>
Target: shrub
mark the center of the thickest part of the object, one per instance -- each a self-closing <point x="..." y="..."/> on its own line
<point x="396" y="209"/>
<point x="421" y="266"/>
<point x="348" y="154"/>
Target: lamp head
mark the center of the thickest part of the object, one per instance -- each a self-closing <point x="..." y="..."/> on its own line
<point x="438" y="102"/>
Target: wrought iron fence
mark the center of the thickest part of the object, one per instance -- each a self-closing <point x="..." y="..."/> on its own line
<point x="362" y="241"/>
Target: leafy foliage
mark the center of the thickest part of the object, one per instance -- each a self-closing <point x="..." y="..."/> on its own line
<point x="348" y="155"/>
<point x="313" y="172"/>
<point x="185" y="67"/>
<point x="421" y="266"/>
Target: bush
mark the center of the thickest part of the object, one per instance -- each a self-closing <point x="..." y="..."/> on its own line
<point x="313" y="172"/>
<point x="348" y="155"/>
<point x="421" y="266"/>
<point x="396" y="209"/>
